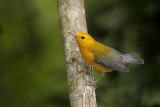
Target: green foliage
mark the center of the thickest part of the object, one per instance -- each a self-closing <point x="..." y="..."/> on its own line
<point x="32" y="66"/>
<point x="32" y="69"/>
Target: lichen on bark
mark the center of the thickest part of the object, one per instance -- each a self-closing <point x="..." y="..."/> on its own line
<point x="72" y="19"/>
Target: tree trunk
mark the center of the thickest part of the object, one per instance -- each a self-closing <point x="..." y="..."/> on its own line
<point x="72" y="19"/>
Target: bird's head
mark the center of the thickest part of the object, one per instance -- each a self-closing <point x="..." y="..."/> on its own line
<point x="84" y="40"/>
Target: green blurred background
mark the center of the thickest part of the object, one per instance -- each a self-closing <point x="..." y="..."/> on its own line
<point x="32" y="68"/>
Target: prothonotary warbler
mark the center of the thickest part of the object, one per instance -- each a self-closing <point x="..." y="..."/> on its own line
<point x="102" y="57"/>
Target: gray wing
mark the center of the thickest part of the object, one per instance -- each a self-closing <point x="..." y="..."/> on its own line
<point x="115" y="51"/>
<point x="114" y="62"/>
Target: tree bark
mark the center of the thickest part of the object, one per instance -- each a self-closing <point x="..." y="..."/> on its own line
<point x="79" y="74"/>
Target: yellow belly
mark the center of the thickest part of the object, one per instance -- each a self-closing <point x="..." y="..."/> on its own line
<point x="89" y="58"/>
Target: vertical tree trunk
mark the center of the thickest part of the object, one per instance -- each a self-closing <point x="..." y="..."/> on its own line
<point x="72" y="19"/>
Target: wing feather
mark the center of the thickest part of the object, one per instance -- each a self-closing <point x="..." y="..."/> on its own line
<point x="112" y="61"/>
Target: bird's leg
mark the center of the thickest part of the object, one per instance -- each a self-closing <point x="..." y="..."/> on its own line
<point x="94" y="83"/>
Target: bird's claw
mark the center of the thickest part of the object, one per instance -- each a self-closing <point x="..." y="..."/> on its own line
<point x="92" y="84"/>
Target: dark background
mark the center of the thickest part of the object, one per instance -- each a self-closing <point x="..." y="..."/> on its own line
<point x="32" y="68"/>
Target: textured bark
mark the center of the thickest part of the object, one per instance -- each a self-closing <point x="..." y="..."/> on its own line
<point x="72" y="19"/>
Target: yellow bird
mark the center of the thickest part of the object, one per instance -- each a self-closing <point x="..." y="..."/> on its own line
<point x="102" y="57"/>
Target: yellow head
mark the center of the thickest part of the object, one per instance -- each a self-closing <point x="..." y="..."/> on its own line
<point x="84" y="40"/>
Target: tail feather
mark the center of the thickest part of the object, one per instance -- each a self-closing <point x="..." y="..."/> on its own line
<point x="132" y="58"/>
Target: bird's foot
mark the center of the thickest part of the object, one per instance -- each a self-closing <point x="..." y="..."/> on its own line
<point x="92" y="84"/>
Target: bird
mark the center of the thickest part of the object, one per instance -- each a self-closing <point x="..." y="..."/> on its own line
<point x="102" y="57"/>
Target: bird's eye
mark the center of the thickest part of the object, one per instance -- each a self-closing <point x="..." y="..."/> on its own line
<point x="83" y="37"/>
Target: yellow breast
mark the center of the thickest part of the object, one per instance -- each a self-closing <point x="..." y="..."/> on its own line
<point x="89" y="58"/>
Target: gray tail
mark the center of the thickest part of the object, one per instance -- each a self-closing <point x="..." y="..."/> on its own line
<point x="132" y="58"/>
